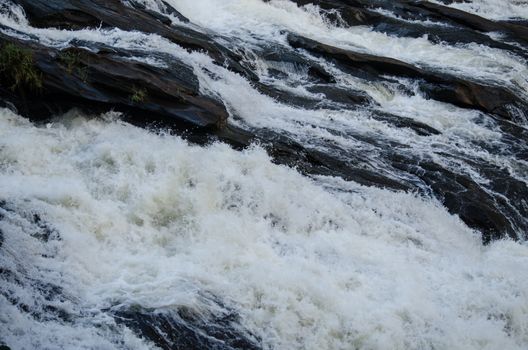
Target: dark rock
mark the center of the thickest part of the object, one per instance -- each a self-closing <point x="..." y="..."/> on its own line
<point x="104" y="78"/>
<point x="279" y="54"/>
<point x="289" y="98"/>
<point x="365" y="63"/>
<point x="109" y="80"/>
<point x="307" y="160"/>
<point x="342" y="95"/>
<point x="45" y="232"/>
<point x="467" y="94"/>
<point x="402" y="122"/>
<point x="469" y="20"/>
<point x="463" y="196"/>
<point x="480" y="207"/>
<point x="334" y="98"/>
<point x="167" y="10"/>
<point x="80" y="14"/>
<point x="184" y="330"/>
<point x="440" y="86"/>
<point x="454" y="26"/>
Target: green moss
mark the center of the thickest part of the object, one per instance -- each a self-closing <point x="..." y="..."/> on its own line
<point x="82" y="73"/>
<point x="71" y="60"/>
<point x="139" y="95"/>
<point x="18" y="68"/>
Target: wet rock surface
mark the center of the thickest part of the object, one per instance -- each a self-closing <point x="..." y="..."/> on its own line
<point x="184" y="330"/>
<point x="461" y="25"/>
<point x="114" y="14"/>
<point x="97" y="78"/>
<point x="442" y="87"/>
<point x="104" y="78"/>
<point x="108" y="79"/>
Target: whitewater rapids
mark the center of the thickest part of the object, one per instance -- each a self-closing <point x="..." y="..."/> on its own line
<point x="149" y="219"/>
<point x="136" y="217"/>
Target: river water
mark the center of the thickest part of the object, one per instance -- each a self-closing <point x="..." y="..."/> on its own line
<point x="129" y="217"/>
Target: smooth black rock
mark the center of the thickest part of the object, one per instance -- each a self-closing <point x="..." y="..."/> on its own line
<point x="342" y="95"/>
<point x="402" y="122"/>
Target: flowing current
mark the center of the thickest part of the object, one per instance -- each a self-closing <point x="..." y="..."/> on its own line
<point x="99" y="217"/>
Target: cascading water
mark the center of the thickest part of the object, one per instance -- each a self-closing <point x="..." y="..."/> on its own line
<point x="355" y="220"/>
<point x="504" y="10"/>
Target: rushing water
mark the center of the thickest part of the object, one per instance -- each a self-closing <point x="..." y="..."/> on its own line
<point x="501" y="10"/>
<point x="99" y="216"/>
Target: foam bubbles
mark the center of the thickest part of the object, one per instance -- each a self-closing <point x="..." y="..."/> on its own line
<point x="495" y="10"/>
<point x="308" y="263"/>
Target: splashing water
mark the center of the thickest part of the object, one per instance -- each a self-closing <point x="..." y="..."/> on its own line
<point x="97" y="215"/>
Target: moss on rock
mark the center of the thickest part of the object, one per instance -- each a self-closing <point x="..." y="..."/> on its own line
<point x="18" y="69"/>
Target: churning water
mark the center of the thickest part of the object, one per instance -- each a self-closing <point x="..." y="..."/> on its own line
<point x="100" y="216"/>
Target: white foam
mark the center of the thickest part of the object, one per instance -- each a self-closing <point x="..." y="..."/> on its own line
<point x="254" y="20"/>
<point x="308" y="263"/>
<point x="323" y="264"/>
<point x="462" y="130"/>
<point x="493" y="9"/>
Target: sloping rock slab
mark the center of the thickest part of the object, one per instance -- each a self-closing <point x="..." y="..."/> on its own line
<point x="108" y="79"/>
<point x="79" y="14"/>
<point x="443" y="87"/>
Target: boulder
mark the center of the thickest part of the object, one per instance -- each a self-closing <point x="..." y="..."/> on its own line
<point x="107" y="79"/>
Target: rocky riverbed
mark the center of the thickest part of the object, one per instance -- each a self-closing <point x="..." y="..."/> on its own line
<point x="228" y="161"/>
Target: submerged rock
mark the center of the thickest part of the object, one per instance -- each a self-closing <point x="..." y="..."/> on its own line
<point x="48" y="302"/>
<point x="184" y="330"/>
